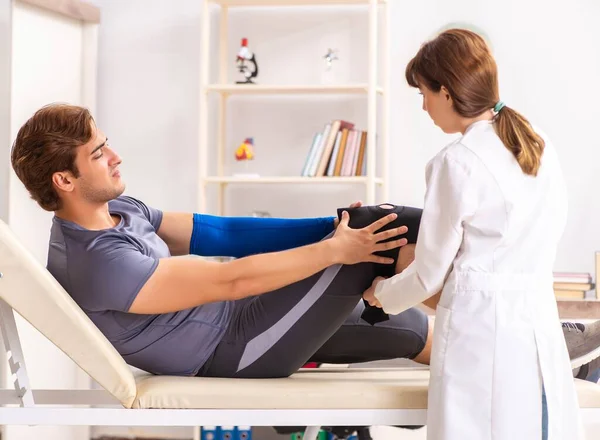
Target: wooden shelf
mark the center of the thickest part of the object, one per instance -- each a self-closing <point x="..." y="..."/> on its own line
<point x="76" y="9"/>
<point x="275" y="179"/>
<point x="578" y="308"/>
<point x="278" y="3"/>
<point x="259" y="89"/>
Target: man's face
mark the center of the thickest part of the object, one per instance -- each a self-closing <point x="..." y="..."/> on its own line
<point x="99" y="178"/>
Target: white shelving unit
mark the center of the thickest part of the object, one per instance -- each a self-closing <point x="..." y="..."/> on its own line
<point x="377" y="141"/>
<point x="260" y="89"/>
<point x="290" y="179"/>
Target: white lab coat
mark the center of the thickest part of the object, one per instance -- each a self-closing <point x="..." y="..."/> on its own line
<point x="488" y="237"/>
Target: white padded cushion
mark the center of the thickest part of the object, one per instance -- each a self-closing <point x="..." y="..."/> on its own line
<point x="36" y="295"/>
<point x="308" y="389"/>
<point x="588" y="393"/>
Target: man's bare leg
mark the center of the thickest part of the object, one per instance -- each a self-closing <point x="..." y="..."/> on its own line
<point x="406" y="256"/>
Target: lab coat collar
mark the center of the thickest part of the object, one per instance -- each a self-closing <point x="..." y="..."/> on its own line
<point x="475" y="124"/>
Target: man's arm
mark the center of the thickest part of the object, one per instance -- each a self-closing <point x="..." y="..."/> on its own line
<point x="176" y="230"/>
<point x="214" y="236"/>
<point x="178" y="284"/>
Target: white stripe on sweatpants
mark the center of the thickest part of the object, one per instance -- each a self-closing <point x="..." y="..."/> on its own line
<point x="261" y="343"/>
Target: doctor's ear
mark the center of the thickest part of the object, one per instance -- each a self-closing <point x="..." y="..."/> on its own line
<point x="446" y="94"/>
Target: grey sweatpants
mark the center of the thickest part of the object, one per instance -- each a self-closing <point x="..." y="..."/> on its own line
<point x="316" y="319"/>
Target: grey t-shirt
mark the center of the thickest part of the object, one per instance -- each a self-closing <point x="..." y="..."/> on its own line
<point x="103" y="271"/>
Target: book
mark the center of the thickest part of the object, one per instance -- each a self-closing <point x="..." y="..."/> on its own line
<point x="583" y="287"/>
<point x="349" y="154"/>
<point x="334" y="154"/>
<point x="329" y="143"/>
<point x="311" y="154"/>
<point x="569" y="294"/>
<point x="338" y="150"/>
<point x="314" y="165"/>
<point x="340" y="156"/>
<point x="361" y="154"/>
<point x="572" y="277"/>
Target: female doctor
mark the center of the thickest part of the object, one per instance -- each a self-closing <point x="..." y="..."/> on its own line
<point x="495" y="208"/>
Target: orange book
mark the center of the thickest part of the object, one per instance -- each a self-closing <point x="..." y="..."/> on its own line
<point x="338" y="160"/>
<point x="361" y="153"/>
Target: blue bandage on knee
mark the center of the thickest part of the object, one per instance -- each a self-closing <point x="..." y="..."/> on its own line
<point x="214" y="236"/>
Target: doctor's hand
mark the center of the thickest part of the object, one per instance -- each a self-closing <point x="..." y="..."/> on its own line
<point x="336" y="221"/>
<point x="351" y="246"/>
<point x="369" y="294"/>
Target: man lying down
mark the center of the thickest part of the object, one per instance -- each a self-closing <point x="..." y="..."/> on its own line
<point x="291" y="295"/>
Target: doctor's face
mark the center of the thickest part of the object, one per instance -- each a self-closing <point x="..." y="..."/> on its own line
<point x="439" y="107"/>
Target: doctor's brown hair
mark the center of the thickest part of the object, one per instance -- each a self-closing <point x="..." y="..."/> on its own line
<point x="46" y="144"/>
<point x="461" y="61"/>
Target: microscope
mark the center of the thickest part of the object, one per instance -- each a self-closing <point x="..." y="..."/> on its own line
<point x="243" y="59"/>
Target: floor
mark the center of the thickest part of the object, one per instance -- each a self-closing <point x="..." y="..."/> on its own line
<point x="388" y="433"/>
<point x="385" y="433"/>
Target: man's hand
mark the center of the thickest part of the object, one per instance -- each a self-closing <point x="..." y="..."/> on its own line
<point x="351" y="246"/>
<point x="369" y="294"/>
<point x="336" y="221"/>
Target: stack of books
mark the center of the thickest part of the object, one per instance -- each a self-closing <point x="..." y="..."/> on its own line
<point x="573" y="285"/>
<point x="339" y="150"/>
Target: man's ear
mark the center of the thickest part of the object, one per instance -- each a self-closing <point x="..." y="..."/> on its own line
<point x="63" y="181"/>
<point x="446" y="94"/>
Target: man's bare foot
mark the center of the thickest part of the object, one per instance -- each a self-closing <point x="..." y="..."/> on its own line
<point x="406" y="255"/>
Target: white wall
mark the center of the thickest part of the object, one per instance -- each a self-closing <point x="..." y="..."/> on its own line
<point x="5" y="62"/>
<point x="46" y="67"/>
<point x="148" y="97"/>
<point x="148" y="89"/>
<point x="548" y="60"/>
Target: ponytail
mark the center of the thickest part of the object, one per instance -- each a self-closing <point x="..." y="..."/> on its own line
<point x="518" y="136"/>
<point x="461" y="61"/>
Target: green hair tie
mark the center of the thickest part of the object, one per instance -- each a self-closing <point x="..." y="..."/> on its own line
<point x="499" y="106"/>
